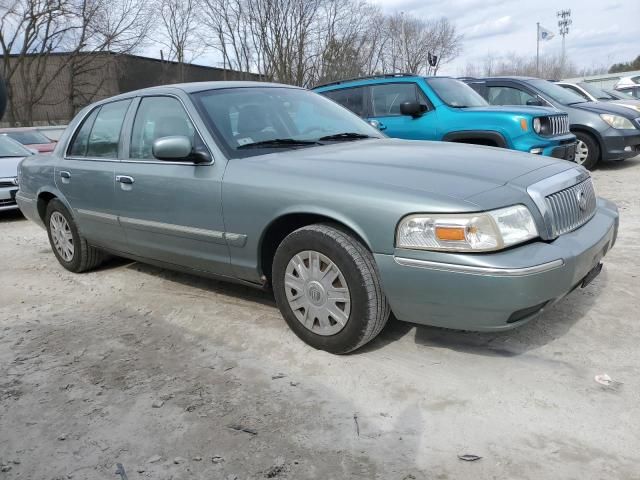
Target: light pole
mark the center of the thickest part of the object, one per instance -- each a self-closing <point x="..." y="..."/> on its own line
<point x="564" y="20"/>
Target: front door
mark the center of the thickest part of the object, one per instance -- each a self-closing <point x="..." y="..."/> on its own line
<point x="386" y="99"/>
<point x="85" y="175"/>
<point x="171" y="211"/>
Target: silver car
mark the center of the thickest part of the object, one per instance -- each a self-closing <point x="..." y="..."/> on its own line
<point x="278" y="187"/>
<point x="11" y="153"/>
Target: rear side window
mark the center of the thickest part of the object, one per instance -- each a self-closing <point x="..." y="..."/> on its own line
<point x="81" y="140"/>
<point x="105" y="134"/>
<point x="351" y="98"/>
<point x="507" y="96"/>
<point x="99" y="134"/>
<point x="388" y="97"/>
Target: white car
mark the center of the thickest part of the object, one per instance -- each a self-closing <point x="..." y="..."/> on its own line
<point x="591" y="93"/>
<point x="629" y="85"/>
<point x="11" y="154"/>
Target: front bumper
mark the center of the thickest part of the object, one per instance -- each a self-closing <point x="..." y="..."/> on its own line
<point x="494" y="291"/>
<point x="620" y="144"/>
<point x="8" y="198"/>
<point x="566" y="151"/>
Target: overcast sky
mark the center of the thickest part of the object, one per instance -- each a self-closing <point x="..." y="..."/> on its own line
<point x="603" y="31"/>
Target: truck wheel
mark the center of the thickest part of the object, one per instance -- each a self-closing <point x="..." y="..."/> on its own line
<point x="587" y="151"/>
<point x="327" y="286"/>
<point x="70" y="248"/>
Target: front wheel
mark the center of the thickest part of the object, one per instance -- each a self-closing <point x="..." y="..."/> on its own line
<point x="327" y="287"/>
<point x="587" y="150"/>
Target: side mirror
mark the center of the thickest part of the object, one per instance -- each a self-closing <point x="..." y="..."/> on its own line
<point x="413" y="109"/>
<point x="535" y="102"/>
<point x="172" y="148"/>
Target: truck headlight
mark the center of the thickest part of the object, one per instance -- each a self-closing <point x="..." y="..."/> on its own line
<point x="617" y="121"/>
<point x="537" y="125"/>
<point x="469" y="232"/>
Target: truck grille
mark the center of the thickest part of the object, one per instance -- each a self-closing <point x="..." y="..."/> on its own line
<point x="558" y="125"/>
<point x="572" y="207"/>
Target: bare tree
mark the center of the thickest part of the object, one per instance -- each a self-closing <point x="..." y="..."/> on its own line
<point x="180" y="20"/>
<point x="46" y="45"/>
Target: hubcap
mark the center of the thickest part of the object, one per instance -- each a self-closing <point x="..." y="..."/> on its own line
<point x="582" y="152"/>
<point x="317" y="292"/>
<point x="61" y="236"/>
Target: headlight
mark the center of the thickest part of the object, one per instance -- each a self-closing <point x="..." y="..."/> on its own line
<point x="537" y="125"/>
<point x="617" y="121"/>
<point x="473" y="232"/>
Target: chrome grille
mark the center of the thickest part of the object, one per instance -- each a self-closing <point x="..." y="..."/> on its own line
<point x="558" y="124"/>
<point x="7" y="202"/>
<point x="572" y="207"/>
<point x="7" y="182"/>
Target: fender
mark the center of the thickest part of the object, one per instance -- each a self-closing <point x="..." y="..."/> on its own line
<point x="491" y="135"/>
<point x="591" y="131"/>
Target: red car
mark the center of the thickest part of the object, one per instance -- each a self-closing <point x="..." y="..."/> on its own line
<point x="30" y="138"/>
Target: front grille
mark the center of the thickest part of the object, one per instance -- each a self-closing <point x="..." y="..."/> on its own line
<point x="572" y="207"/>
<point x="557" y="125"/>
<point x="7" y="182"/>
<point x="7" y="202"/>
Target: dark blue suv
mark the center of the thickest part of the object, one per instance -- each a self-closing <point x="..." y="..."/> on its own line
<point x="442" y="108"/>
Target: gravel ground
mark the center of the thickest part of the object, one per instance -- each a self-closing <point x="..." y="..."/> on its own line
<point x="179" y="377"/>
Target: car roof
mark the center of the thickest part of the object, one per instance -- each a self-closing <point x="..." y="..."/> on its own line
<point x="503" y="77"/>
<point x="194" y="87"/>
<point x="381" y="78"/>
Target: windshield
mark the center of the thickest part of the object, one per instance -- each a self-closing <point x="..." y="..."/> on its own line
<point x="555" y="92"/>
<point x="596" y="92"/>
<point x="11" y="148"/>
<point x="258" y="120"/>
<point x="456" y="93"/>
<point x="28" y="137"/>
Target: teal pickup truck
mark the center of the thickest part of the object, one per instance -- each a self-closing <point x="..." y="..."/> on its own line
<point x="442" y="108"/>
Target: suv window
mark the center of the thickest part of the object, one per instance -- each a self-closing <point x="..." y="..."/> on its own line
<point x="105" y="132"/>
<point x="388" y="97"/>
<point x="81" y="140"/>
<point x="500" y="95"/>
<point x="576" y="91"/>
<point x="351" y="98"/>
<point x="159" y="117"/>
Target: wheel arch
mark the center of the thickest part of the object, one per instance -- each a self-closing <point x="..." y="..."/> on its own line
<point x="589" y="131"/>
<point x="289" y="221"/>
<point x="475" y="136"/>
<point x="44" y="196"/>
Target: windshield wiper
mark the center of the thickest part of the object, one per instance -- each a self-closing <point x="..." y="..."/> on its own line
<point x="345" y="136"/>
<point x="279" y="142"/>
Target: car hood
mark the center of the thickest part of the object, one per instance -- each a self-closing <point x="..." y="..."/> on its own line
<point x="515" y="110"/>
<point x="606" y="107"/>
<point x="9" y="166"/>
<point x="446" y="169"/>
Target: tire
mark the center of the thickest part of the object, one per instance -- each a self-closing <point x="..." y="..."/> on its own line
<point x="83" y="256"/>
<point x="589" y="146"/>
<point x="365" y="310"/>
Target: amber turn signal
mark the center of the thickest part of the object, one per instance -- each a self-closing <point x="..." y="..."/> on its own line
<point x="450" y="233"/>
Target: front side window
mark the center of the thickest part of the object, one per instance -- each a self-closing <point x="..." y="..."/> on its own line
<point x="455" y="93"/>
<point x="388" y="97"/>
<point x="501" y="95"/>
<point x="351" y="98"/>
<point x="159" y="117"/>
<point x="258" y="120"/>
<point x="99" y="134"/>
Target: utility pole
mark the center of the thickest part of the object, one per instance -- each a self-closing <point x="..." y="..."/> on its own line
<point x="538" y="49"/>
<point x="564" y="20"/>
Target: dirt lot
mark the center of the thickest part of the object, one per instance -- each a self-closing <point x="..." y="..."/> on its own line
<point x="178" y="377"/>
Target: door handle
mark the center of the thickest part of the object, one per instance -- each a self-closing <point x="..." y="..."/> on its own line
<point x="124" y="179"/>
<point x="64" y="174"/>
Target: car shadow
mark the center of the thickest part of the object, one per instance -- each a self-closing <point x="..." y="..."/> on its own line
<point x="239" y="291"/>
<point x="552" y="324"/>
<point x="11" y="216"/>
<point x="621" y="165"/>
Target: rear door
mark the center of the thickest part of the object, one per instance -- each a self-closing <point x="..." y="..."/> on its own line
<point x="171" y="211"/>
<point x="85" y="174"/>
<point x="386" y="99"/>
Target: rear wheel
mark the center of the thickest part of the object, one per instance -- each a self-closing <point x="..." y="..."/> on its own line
<point x="327" y="287"/>
<point x="70" y="248"/>
<point x="587" y="150"/>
